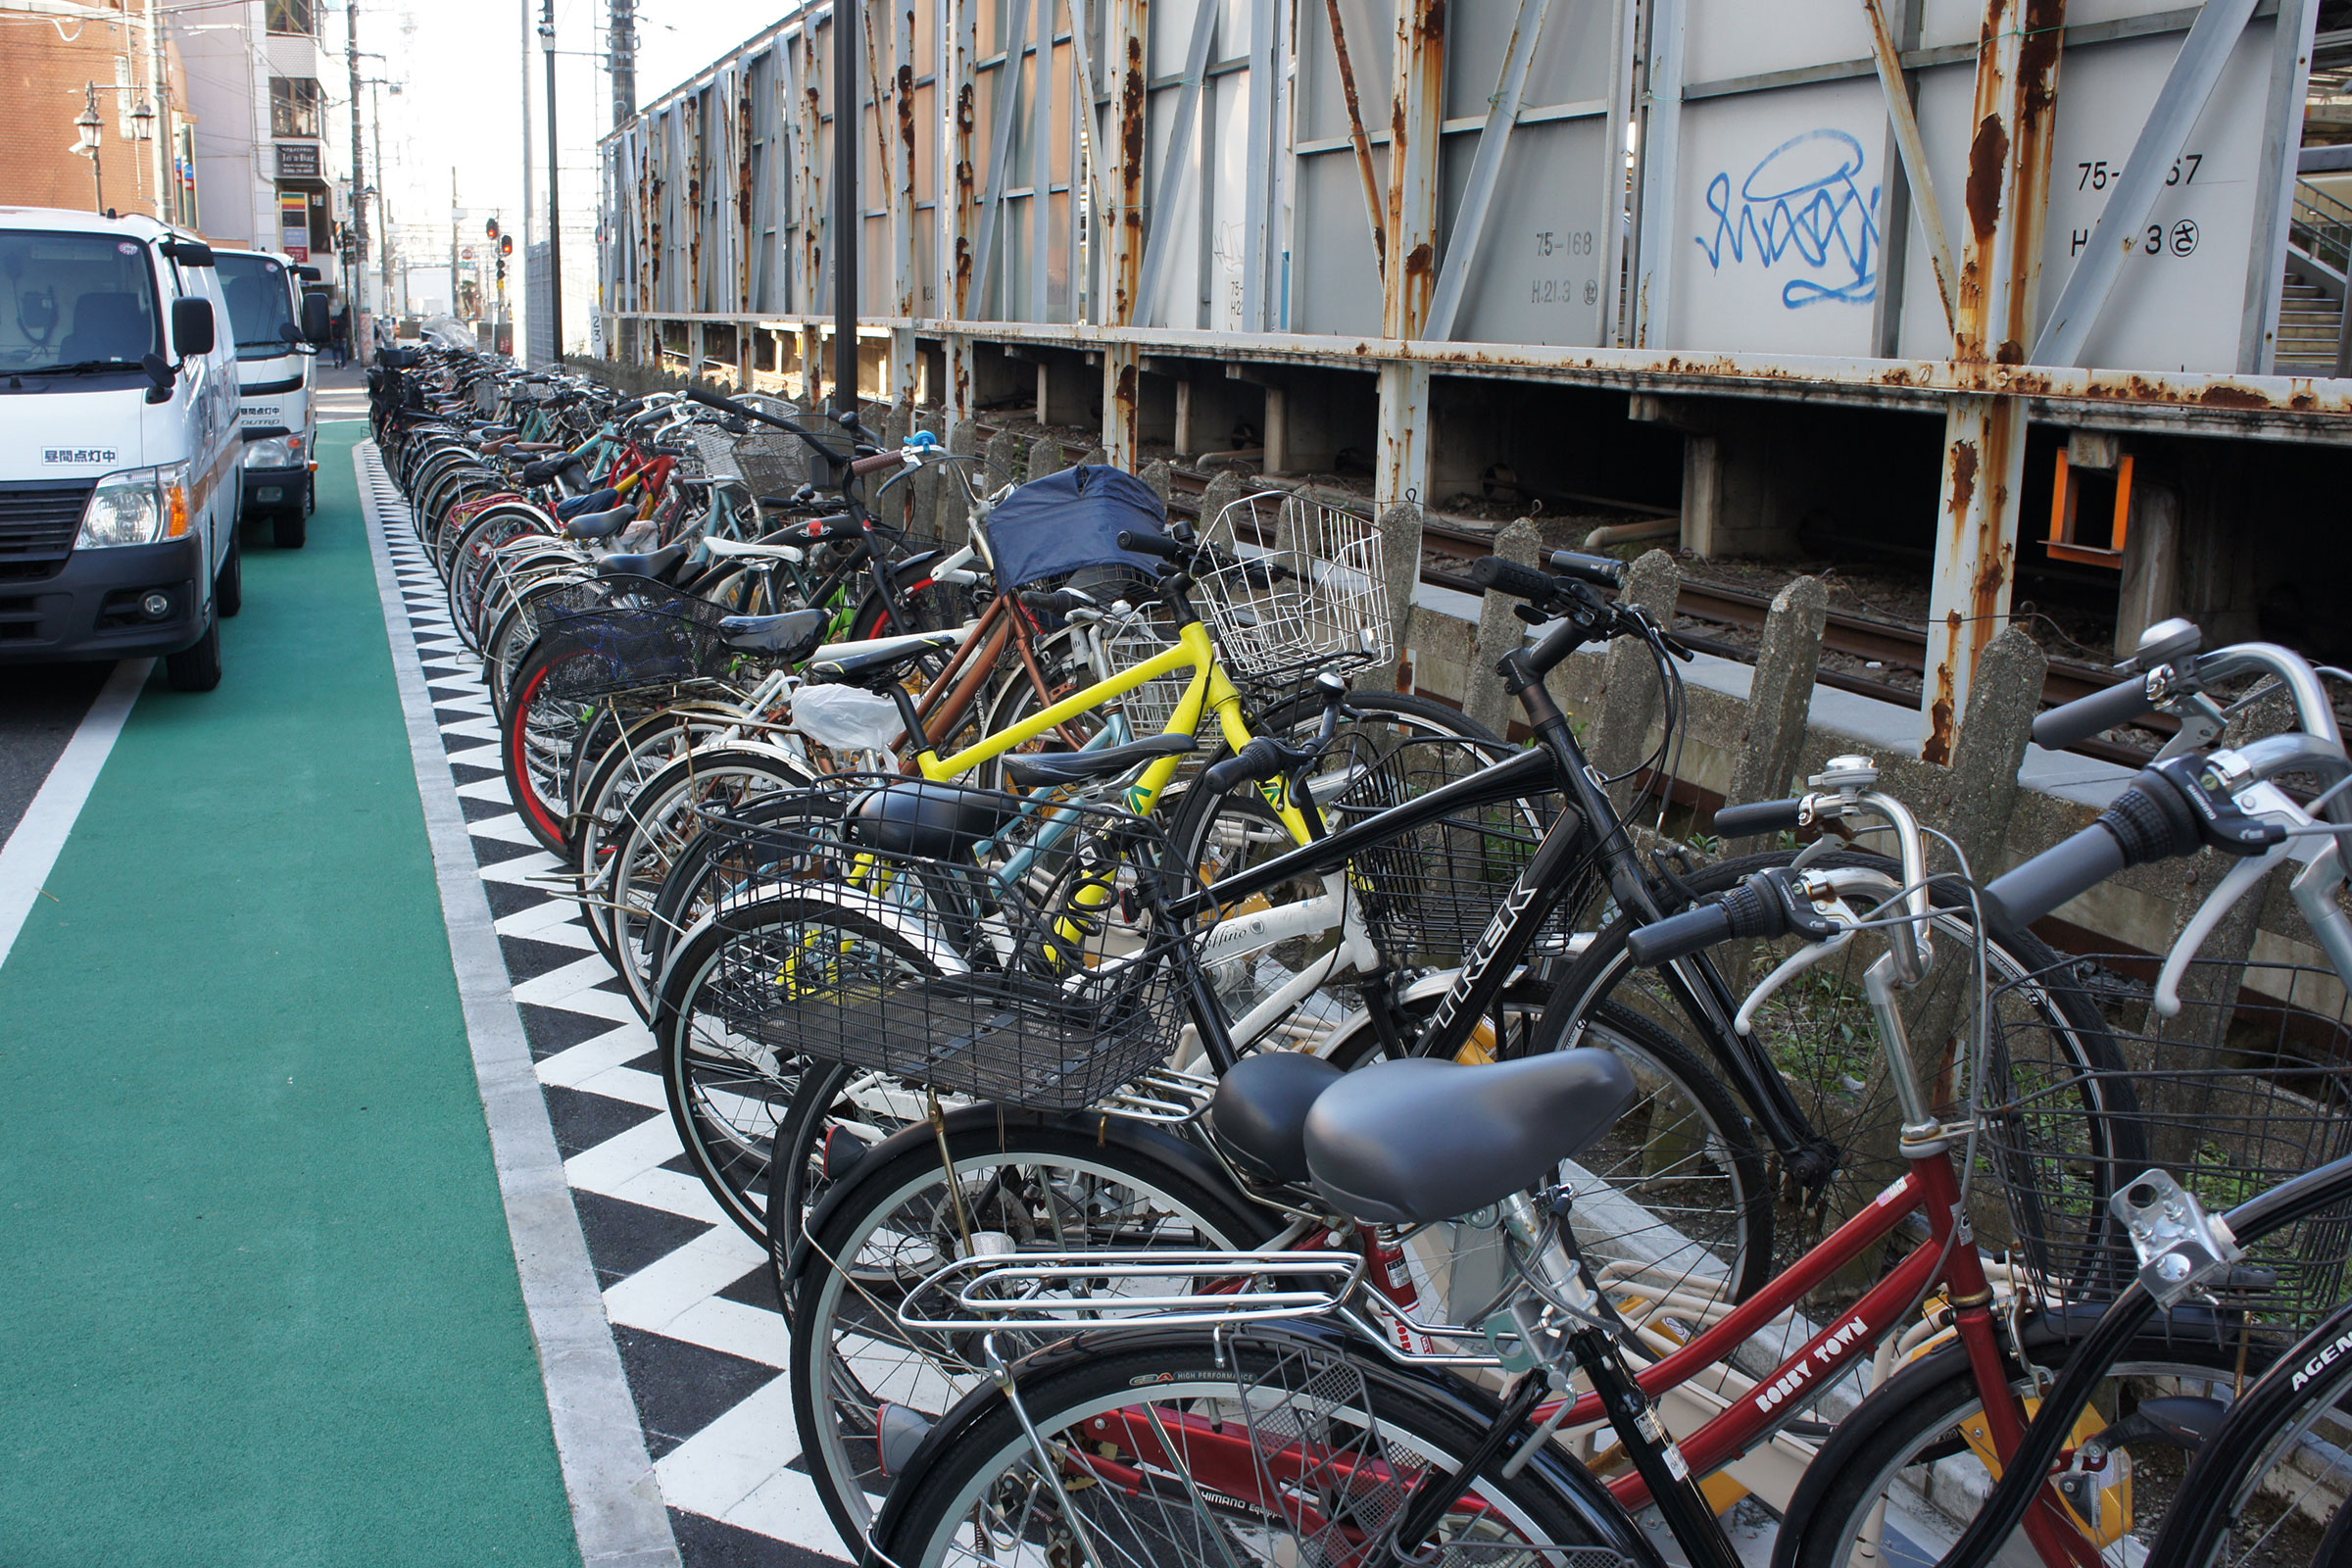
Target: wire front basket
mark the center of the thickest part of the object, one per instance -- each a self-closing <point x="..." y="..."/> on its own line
<point x="991" y="945"/>
<point x="622" y="634"/>
<point x="1150" y="707"/>
<point x="1428" y="894"/>
<point x="1303" y="589"/>
<point x="2250" y="1084"/>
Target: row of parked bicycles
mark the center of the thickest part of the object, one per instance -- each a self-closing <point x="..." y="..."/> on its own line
<point x="1207" y="1108"/>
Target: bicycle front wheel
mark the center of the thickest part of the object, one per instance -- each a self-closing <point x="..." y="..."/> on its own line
<point x="1253" y="1449"/>
<point x="2268" y="1488"/>
<point x="1909" y="1467"/>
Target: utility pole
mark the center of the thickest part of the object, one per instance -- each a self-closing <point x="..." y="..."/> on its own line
<point x="846" y="132"/>
<point x="452" y="245"/>
<point x="382" y="212"/>
<point x="530" y="203"/>
<point x="167" y="189"/>
<point x="621" y="60"/>
<point x="555" y="193"/>
<point x="356" y="276"/>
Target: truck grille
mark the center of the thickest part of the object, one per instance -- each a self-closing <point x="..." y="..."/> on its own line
<point x="37" y="526"/>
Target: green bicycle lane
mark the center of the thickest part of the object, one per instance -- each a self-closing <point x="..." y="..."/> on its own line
<point x="259" y="1304"/>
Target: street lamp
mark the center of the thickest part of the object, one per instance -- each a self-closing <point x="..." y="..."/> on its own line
<point x="87" y="123"/>
<point x="142" y="120"/>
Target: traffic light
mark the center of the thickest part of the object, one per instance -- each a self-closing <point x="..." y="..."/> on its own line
<point x="491" y="228"/>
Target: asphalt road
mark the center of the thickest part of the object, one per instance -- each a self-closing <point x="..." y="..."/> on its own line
<point x="40" y="704"/>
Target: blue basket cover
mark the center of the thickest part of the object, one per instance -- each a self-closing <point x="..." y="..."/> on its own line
<point x="1070" y="520"/>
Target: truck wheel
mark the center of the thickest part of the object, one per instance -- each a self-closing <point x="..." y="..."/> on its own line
<point x="290" y="527"/>
<point x="197" y="668"/>
<point x="229" y="589"/>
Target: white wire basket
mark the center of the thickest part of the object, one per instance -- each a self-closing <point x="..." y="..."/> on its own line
<point x="1304" y="592"/>
<point x="1151" y="707"/>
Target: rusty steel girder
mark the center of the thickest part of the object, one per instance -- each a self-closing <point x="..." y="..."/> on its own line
<point x="1126" y="27"/>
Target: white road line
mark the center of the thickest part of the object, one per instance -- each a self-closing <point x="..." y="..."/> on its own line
<point x="617" y="1514"/>
<point x="30" y="853"/>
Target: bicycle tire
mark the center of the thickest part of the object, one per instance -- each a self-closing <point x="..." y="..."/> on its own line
<point x="726" y="1091"/>
<point x="882" y="1232"/>
<point x="2283" y="1456"/>
<point x="1909" y="1434"/>
<point x="1278" y="1385"/>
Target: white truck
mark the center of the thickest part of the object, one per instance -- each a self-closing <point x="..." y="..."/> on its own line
<point x="119" y="444"/>
<point x="278" y="327"/>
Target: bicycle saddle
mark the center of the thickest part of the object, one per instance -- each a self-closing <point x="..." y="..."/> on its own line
<point x="661" y="563"/>
<point x="600" y="524"/>
<point x="794" y="634"/>
<point x="935" y="821"/>
<point x="1049" y="769"/>
<point x="1259" y="1114"/>
<point x="547" y="468"/>
<point x="857" y="662"/>
<point x="572" y="507"/>
<point x="1404" y="1143"/>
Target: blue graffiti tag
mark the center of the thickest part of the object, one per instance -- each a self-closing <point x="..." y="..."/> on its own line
<point x="1803" y="196"/>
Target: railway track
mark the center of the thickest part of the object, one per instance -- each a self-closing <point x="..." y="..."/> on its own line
<point x="1448" y="547"/>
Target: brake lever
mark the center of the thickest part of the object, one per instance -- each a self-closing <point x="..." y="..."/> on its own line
<point x="1798" y="962"/>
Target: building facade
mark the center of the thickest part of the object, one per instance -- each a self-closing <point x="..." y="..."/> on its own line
<point x="58" y="57"/>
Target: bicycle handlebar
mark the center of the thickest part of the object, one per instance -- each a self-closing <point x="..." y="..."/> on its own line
<point x="1761" y="816"/>
<point x="1155" y="544"/>
<point x="2085" y="716"/>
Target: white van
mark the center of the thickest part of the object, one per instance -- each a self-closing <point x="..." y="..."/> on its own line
<point x="278" y="326"/>
<point x="119" y="444"/>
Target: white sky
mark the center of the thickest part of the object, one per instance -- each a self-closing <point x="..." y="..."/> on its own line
<point x="460" y="64"/>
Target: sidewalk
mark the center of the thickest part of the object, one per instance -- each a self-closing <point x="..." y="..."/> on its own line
<point x="260" y="1303"/>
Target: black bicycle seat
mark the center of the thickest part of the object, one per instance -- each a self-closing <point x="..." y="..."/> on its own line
<point x="1046" y="769"/>
<point x="1259" y="1114"/>
<point x="1404" y="1143"/>
<point x="572" y="507"/>
<point x="854" y="664"/>
<point x="938" y="821"/>
<point x="547" y="468"/>
<point x="661" y="565"/>
<point x="600" y="524"/>
<point x="794" y="634"/>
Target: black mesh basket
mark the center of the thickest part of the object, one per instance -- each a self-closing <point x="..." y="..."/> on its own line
<point x="2248" y="1084"/>
<point x="994" y="946"/>
<point x="1428" y="894"/>
<point x="625" y="634"/>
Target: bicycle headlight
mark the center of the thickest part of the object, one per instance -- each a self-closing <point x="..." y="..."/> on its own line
<point x="137" y="507"/>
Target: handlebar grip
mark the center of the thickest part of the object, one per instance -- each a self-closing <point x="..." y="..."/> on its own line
<point x="1760" y="816"/>
<point x="875" y="463"/>
<point x="1678" y="936"/>
<point x="2085" y="716"/>
<point x="1059" y="601"/>
<point x="1601" y="571"/>
<point x="1153" y="544"/>
<point x="1499" y="575"/>
<point x="2058" y="874"/>
<point x="1254" y="763"/>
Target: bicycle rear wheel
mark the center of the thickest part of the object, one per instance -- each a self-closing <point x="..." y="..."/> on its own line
<point x="1258" y="1447"/>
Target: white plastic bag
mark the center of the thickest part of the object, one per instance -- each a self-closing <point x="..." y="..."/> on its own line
<point x="846" y="717"/>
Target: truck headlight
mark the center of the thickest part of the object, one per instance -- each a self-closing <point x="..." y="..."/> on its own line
<point x="274" y="452"/>
<point x="137" y="507"/>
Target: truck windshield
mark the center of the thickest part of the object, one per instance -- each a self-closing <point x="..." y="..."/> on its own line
<point x="260" y="305"/>
<point x="73" y="303"/>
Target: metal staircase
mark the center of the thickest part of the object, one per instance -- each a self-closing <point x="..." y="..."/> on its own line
<point x="2312" y="326"/>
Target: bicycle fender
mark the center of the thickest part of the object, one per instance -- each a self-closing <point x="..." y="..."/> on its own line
<point x="1187" y="1158"/>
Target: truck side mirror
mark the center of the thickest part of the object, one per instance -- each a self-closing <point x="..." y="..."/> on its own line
<point x="193" y="335"/>
<point x="317" y="325"/>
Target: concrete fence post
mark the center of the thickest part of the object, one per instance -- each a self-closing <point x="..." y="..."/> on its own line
<point x="1484" y="700"/>
<point x="1160" y="477"/>
<point x="1091" y="457"/>
<point x="1005" y="453"/>
<point x="923" y="487"/>
<point x="1400" y="567"/>
<point x="1045" y="455"/>
<point x="2002" y="701"/>
<point x="1631" y="696"/>
<point x="1779" y="698"/>
<point x="1224" y="489"/>
<point x="953" y="515"/>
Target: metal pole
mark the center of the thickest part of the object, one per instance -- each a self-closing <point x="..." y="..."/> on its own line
<point x="555" y="206"/>
<point x="453" y="311"/>
<point x="530" y="199"/>
<point x="845" y="207"/>
<point x="167" y="207"/>
<point x="356" y="278"/>
<point x="376" y="106"/>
